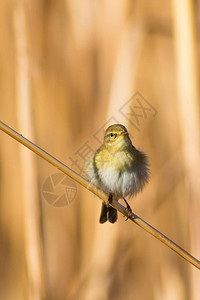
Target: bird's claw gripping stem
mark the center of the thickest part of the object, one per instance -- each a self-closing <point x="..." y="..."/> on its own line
<point x="128" y="209"/>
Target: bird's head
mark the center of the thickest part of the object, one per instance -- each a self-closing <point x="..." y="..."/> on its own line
<point x="116" y="135"/>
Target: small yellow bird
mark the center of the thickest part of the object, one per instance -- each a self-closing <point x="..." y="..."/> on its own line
<point x="118" y="169"/>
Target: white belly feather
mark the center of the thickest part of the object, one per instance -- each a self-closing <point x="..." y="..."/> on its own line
<point x="118" y="181"/>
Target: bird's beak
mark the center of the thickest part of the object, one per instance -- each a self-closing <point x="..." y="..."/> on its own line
<point x="123" y="133"/>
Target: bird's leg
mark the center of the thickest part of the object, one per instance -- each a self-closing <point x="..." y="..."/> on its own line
<point x="128" y="209"/>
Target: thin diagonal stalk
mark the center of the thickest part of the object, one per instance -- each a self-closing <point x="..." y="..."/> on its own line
<point x="62" y="167"/>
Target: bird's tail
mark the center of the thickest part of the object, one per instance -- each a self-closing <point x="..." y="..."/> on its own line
<point x="108" y="213"/>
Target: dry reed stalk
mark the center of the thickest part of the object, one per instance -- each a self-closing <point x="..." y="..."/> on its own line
<point x="188" y="101"/>
<point x="32" y="228"/>
<point x="129" y="50"/>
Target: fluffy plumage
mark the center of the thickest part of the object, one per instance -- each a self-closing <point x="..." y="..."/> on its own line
<point x="117" y="167"/>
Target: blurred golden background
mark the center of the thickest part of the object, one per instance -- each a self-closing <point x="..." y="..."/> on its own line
<point x="68" y="69"/>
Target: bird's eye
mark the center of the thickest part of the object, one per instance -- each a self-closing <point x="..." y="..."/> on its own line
<point x="113" y="135"/>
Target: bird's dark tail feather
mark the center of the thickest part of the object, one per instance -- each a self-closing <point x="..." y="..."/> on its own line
<point x="108" y="213"/>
